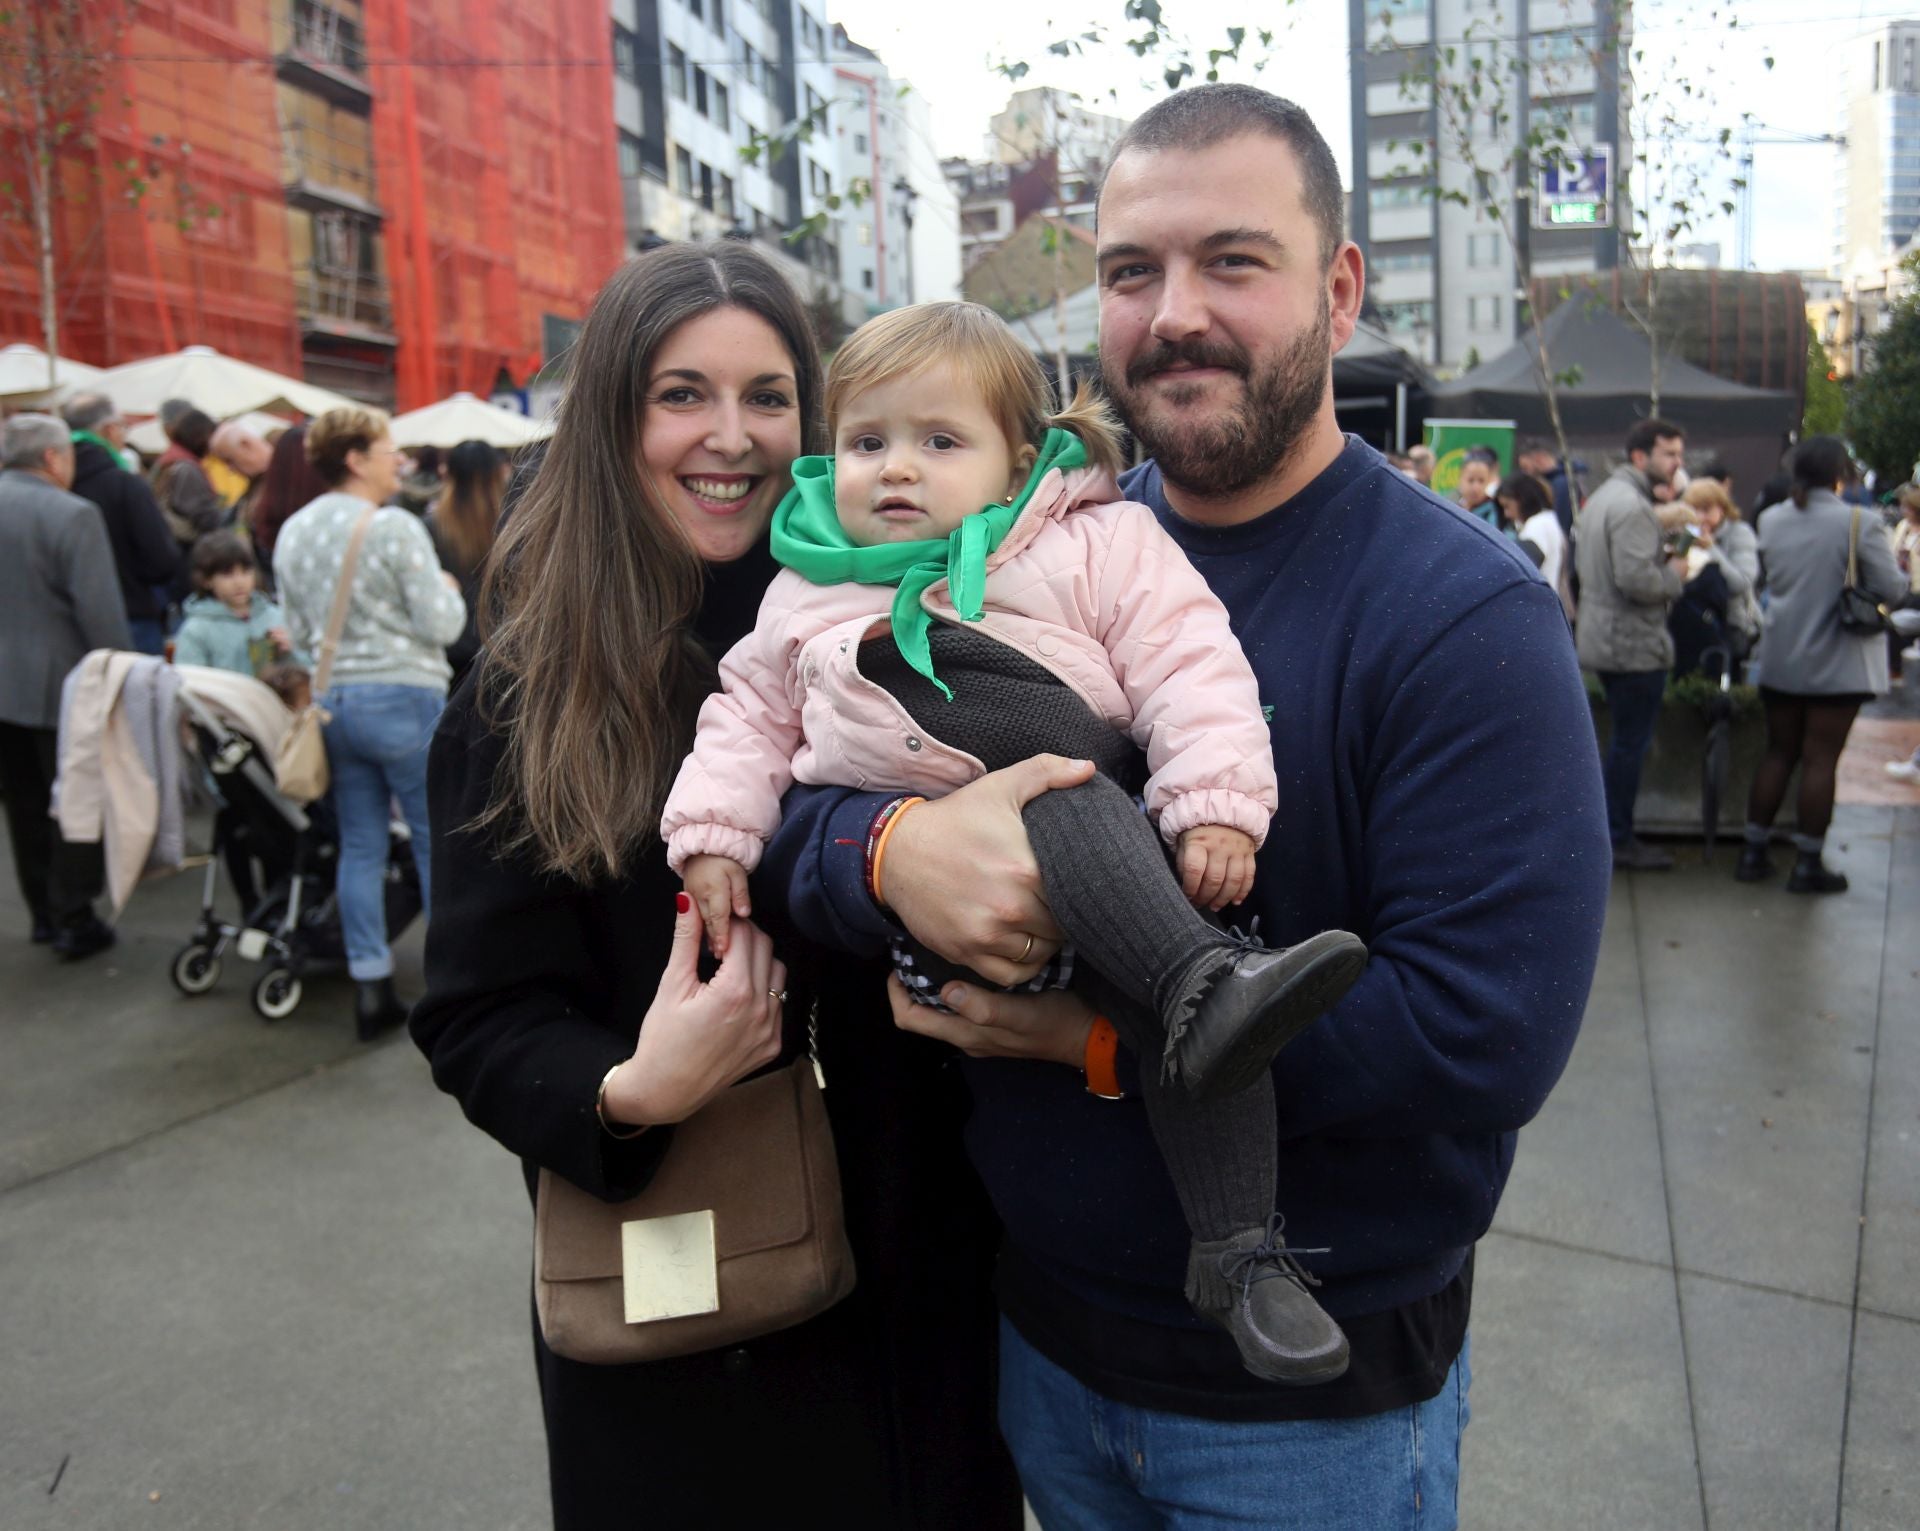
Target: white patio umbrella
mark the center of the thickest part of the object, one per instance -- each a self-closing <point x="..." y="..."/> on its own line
<point x="23" y="377"/>
<point x="466" y="418"/>
<point x="223" y="386"/>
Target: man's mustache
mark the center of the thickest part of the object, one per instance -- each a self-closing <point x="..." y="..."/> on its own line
<point x="1194" y="353"/>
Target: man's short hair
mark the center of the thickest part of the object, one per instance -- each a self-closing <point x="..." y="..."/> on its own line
<point x="87" y="411"/>
<point x="171" y="410"/>
<point x="1642" y="437"/>
<point x="25" y="440"/>
<point x="1203" y="115"/>
<point x="1422" y="456"/>
<point x="1717" y="470"/>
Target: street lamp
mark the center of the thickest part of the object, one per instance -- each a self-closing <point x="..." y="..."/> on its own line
<point x="903" y="189"/>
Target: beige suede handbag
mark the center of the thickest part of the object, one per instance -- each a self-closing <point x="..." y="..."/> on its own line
<point x="760" y="1158"/>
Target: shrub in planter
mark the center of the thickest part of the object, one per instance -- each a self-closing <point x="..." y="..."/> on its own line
<point x="1669" y="800"/>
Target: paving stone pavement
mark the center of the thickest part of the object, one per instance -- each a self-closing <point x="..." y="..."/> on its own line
<point x="263" y="1277"/>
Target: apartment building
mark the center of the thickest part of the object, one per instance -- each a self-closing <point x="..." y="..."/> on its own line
<point x="1441" y="270"/>
<point x="1877" y="193"/>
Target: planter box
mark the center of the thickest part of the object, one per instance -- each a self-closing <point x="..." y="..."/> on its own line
<point x="1669" y="800"/>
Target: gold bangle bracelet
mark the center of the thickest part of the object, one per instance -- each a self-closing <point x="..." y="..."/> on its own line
<point x="613" y="1130"/>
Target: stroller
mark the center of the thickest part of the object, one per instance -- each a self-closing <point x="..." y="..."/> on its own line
<point x="281" y="861"/>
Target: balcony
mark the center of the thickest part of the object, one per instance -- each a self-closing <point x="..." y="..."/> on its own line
<point x="322" y="172"/>
<point x="326" y="54"/>
<point x="345" y="306"/>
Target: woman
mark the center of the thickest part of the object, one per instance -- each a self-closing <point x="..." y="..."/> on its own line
<point x="290" y="482"/>
<point x="1526" y="505"/>
<point x="1719" y="608"/>
<point x="1814" y="673"/>
<point x="389" y="678"/>
<point x="180" y="483"/>
<point x="462" y="522"/>
<point x="1474" y="492"/>
<point x="1904" y="538"/>
<point x="635" y="558"/>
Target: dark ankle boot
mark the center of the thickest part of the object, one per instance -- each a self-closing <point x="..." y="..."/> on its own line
<point x="1755" y="864"/>
<point x="1244" y="1003"/>
<point x="1812" y="875"/>
<point x="1254" y="1289"/>
<point x="376" y="1008"/>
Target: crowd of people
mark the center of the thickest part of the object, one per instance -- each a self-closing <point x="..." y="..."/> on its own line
<point x="1667" y="577"/>
<point x="225" y="553"/>
<point x="817" y="710"/>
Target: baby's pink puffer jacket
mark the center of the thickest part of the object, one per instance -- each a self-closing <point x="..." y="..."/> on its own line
<point x="1086" y="585"/>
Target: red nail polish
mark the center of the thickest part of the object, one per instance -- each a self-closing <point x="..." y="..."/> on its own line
<point x="682" y="903"/>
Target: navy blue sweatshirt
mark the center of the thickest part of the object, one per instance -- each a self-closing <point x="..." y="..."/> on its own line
<point x="1440" y="797"/>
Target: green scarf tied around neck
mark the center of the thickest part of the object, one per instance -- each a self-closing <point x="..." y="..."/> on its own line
<point x="808" y="539"/>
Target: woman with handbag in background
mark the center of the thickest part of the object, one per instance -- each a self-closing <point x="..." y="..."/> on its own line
<point x="1828" y="572"/>
<point x="364" y="593"/>
<point x="566" y="1012"/>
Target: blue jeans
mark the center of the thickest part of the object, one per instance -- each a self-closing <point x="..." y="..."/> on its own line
<point x="377" y="752"/>
<point x="1633" y="704"/>
<point x="1090" y="1464"/>
<point x="149" y="635"/>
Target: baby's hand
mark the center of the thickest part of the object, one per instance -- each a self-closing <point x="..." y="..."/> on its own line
<point x="1216" y="865"/>
<point x="718" y="888"/>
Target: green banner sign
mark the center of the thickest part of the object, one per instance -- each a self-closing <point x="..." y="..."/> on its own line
<point x="1451" y="439"/>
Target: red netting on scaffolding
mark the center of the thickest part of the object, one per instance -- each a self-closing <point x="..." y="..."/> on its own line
<point x="501" y="182"/>
<point x="167" y="212"/>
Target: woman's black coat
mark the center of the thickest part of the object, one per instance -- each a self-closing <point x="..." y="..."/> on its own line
<point x="878" y="1413"/>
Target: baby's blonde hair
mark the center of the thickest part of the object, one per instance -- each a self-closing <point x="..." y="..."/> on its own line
<point x="976" y="343"/>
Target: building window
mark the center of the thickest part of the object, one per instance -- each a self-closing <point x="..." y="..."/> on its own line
<point x="813" y="38"/>
<point x="626" y="54"/>
<point x="1483" y="250"/>
<point x="676" y="72"/>
<point x="723" y="199"/>
<point x="859" y="143"/>
<point x="866" y="278"/>
<point x="1380" y="198"/>
<point x="722" y="106"/>
<point x="719" y="16"/>
<point x="753" y="68"/>
<point x="1421" y="261"/>
<point x="630" y="155"/>
<point x="700" y="92"/>
<point x="695" y="8"/>
<point x="1483" y="313"/>
<point x="683" y="172"/>
<point x="819" y="182"/>
<point x="863" y="233"/>
<point x="816" y="106"/>
<point x="706" y="186"/>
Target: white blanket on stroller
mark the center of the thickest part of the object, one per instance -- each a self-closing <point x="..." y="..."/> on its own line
<point x="121" y="785"/>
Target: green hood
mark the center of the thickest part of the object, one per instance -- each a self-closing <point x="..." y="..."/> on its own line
<point x="808" y="539"/>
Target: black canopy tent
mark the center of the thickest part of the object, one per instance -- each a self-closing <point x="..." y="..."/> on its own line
<point x="1379" y="390"/>
<point x="1747" y="427"/>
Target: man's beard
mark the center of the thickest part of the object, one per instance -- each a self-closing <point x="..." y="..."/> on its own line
<point x="1247" y="440"/>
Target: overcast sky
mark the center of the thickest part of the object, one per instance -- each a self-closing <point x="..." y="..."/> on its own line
<point x="948" y="53"/>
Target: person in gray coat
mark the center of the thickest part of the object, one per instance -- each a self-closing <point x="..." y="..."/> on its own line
<point x="1814" y="673"/>
<point x="1627" y="582"/>
<point x="59" y="598"/>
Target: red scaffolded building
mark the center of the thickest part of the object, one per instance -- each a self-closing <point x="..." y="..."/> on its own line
<point x="395" y="198"/>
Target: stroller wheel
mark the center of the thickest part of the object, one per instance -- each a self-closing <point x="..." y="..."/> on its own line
<point x="276" y="994"/>
<point x="195" y="968"/>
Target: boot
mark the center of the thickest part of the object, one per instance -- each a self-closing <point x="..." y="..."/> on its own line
<point x="1812" y="875"/>
<point x="1244" y="1003"/>
<point x="1255" y="1290"/>
<point x="82" y="938"/>
<point x="1755" y="864"/>
<point x="376" y="1008"/>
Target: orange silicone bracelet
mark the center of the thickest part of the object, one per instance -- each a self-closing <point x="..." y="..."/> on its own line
<point x="1103" y="1042"/>
<point x="880" y="846"/>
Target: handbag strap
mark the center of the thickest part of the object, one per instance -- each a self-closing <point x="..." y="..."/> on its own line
<point x="1853" y="551"/>
<point x="342" y="595"/>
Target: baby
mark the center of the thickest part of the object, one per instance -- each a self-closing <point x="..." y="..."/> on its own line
<point x="963" y="590"/>
<point x="229" y="625"/>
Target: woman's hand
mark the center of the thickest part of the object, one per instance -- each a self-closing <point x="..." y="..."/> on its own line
<point x="1051" y="1026"/>
<point x="961" y="876"/>
<point x="698" y="1038"/>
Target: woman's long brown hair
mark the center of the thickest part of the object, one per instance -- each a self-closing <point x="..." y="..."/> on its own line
<point x="467" y="513"/>
<point x="591" y="671"/>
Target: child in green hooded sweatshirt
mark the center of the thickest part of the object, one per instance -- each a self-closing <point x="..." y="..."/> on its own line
<point x="229" y="625"/>
<point x="965" y="589"/>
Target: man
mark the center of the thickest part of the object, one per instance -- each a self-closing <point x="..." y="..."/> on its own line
<point x="1627" y="582"/>
<point x="1437" y="798"/>
<point x="1536" y="456"/>
<point x="244" y="451"/>
<point x="144" y="552"/>
<point x="1420" y="462"/>
<point x="58" y="600"/>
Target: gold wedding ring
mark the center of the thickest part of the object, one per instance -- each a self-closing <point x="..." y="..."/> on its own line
<point x="779" y="995"/>
<point x="1027" y="950"/>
